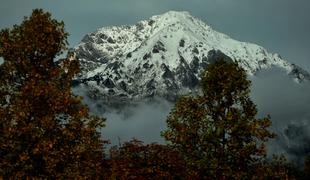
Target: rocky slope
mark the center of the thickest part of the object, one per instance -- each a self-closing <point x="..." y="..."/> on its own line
<point x="163" y="56"/>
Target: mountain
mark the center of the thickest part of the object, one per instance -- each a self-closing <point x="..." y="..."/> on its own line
<point x="163" y="56"/>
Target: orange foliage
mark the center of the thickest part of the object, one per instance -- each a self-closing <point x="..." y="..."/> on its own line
<point x="133" y="160"/>
<point x="217" y="132"/>
<point x="45" y="130"/>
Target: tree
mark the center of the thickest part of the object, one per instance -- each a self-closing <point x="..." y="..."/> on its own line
<point x="307" y="167"/>
<point x="133" y="160"/>
<point x="217" y="132"/>
<point x="45" y="131"/>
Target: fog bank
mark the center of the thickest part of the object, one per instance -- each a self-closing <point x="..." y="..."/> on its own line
<point x="274" y="93"/>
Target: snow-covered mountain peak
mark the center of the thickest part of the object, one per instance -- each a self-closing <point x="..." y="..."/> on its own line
<point x="172" y="16"/>
<point x="164" y="56"/>
<point x="177" y="17"/>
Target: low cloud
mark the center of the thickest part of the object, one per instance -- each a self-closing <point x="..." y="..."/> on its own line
<point x="287" y="102"/>
<point x="143" y="120"/>
<point x="274" y="93"/>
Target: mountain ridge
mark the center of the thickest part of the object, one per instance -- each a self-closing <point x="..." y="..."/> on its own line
<point x="163" y="56"/>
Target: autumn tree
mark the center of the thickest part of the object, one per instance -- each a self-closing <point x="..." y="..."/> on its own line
<point x="134" y="160"/>
<point x="218" y="132"/>
<point x="45" y="131"/>
<point x="278" y="167"/>
<point x="307" y="167"/>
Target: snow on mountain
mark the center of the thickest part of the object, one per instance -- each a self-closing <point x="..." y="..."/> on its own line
<point x="163" y="56"/>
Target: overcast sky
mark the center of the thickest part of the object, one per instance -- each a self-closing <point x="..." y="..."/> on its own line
<point x="281" y="26"/>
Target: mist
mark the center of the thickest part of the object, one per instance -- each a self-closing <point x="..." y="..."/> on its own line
<point x="141" y="120"/>
<point x="273" y="91"/>
<point x="287" y="102"/>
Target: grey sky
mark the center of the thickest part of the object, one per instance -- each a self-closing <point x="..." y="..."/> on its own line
<point x="281" y="26"/>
